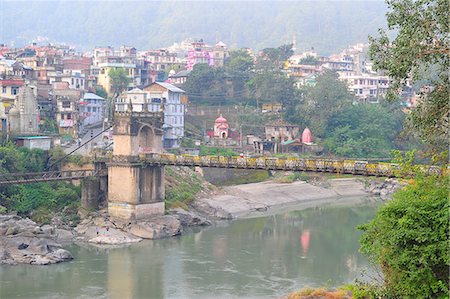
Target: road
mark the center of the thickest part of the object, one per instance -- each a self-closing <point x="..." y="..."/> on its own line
<point x="87" y="148"/>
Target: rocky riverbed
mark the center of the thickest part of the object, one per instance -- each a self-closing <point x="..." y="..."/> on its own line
<point x="24" y="241"/>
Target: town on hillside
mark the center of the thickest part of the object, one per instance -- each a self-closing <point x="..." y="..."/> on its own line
<point x="52" y="95"/>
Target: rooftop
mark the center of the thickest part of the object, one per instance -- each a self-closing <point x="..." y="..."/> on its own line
<point x="170" y="87"/>
<point x="92" y="96"/>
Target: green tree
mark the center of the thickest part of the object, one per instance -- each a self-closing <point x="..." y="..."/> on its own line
<point x="318" y="104"/>
<point x="420" y="47"/>
<point x="272" y="87"/>
<point x="408" y="239"/>
<point x="101" y="92"/>
<point x="309" y="60"/>
<point x="206" y="85"/>
<point x="119" y="81"/>
<point x="364" y="131"/>
<point x="238" y="69"/>
<point x="275" y="57"/>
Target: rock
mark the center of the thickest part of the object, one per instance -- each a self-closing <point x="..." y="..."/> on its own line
<point x="115" y="239"/>
<point x="188" y="218"/>
<point x="40" y="260"/>
<point x="3" y="231"/>
<point x="157" y="228"/>
<point x="48" y="229"/>
<point x="37" y="230"/>
<point x="31" y="250"/>
<point x="206" y="209"/>
<point x="63" y="235"/>
<point x="22" y="246"/>
<point x="62" y="255"/>
<point x="13" y="230"/>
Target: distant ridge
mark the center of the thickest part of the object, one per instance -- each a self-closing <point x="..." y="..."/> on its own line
<point x="325" y="25"/>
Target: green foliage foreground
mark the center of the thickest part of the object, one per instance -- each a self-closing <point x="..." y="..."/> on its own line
<point x="408" y="239"/>
<point x="39" y="200"/>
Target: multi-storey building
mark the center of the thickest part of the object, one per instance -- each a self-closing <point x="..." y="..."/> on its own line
<point x="154" y="97"/>
<point x="67" y="113"/>
<point x="161" y="59"/>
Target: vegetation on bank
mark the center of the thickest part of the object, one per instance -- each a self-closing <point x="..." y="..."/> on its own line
<point x="182" y="186"/>
<point x="39" y="201"/>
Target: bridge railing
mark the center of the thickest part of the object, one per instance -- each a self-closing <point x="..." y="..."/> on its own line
<point x="293" y="164"/>
<point x="36" y="177"/>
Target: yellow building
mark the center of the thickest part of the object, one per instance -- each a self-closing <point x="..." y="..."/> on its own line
<point x="9" y="90"/>
<point x="105" y="81"/>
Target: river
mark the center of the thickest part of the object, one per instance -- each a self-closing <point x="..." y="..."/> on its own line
<point x="264" y="257"/>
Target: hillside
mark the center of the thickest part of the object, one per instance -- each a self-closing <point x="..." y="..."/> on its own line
<point x="325" y="25"/>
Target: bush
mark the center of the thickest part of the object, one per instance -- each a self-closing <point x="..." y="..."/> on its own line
<point x="408" y="239"/>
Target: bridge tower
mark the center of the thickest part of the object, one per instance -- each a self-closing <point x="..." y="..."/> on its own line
<point x="135" y="190"/>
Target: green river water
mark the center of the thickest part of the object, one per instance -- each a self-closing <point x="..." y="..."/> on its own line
<point x="265" y="257"/>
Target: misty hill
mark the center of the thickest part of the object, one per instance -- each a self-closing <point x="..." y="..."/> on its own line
<point x="326" y="25"/>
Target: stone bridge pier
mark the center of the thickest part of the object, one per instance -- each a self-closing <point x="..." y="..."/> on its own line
<point x="135" y="190"/>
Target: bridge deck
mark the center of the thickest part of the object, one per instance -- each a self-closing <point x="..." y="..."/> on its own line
<point x="288" y="164"/>
<point x="264" y="163"/>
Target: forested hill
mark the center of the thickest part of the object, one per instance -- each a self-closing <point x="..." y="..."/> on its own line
<point x="325" y="25"/>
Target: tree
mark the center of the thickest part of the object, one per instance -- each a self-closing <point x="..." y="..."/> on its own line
<point x="101" y="92"/>
<point x="119" y="81"/>
<point x="309" y="60"/>
<point x="272" y="87"/>
<point x="321" y="102"/>
<point x="206" y="85"/>
<point x="238" y="69"/>
<point x="408" y="239"/>
<point x="363" y="131"/>
<point x="420" y="45"/>
<point x="275" y="57"/>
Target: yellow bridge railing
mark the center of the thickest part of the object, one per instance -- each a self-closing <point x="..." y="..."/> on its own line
<point x="355" y="167"/>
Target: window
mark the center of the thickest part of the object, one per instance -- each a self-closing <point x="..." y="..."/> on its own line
<point x="69" y="116"/>
<point x="66" y="104"/>
<point x="3" y="89"/>
<point x="88" y="109"/>
<point x="14" y="90"/>
<point x="72" y="81"/>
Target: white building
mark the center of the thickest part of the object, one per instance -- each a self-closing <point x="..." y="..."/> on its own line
<point x="172" y="99"/>
<point x="92" y="109"/>
<point x="154" y="97"/>
<point x="367" y="87"/>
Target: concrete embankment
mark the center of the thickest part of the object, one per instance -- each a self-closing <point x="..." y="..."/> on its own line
<point x="271" y="197"/>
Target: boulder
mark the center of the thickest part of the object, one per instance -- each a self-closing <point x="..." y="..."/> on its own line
<point x="188" y="218"/>
<point x="157" y="227"/>
<point x="31" y="250"/>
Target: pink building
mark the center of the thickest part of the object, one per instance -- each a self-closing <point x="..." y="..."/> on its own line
<point x="199" y="53"/>
<point x="221" y="128"/>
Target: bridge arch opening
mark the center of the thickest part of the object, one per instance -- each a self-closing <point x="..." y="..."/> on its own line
<point x="145" y="139"/>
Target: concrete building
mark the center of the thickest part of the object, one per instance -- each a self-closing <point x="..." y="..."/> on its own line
<point x="220" y="53"/>
<point x="281" y="131"/>
<point x="368" y="88"/>
<point x="179" y="78"/>
<point x="9" y="90"/>
<point x="104" y="79"/>
<point x="91" y="109"/>
<point x="172" y="99"/>
<point x="161" y="59"/>
<point x="75" y="78"/>
<point x="67" y="114"/>
<point x="199" y="53"/>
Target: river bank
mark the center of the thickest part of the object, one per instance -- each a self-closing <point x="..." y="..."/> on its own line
<point x="24" y="241"/>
